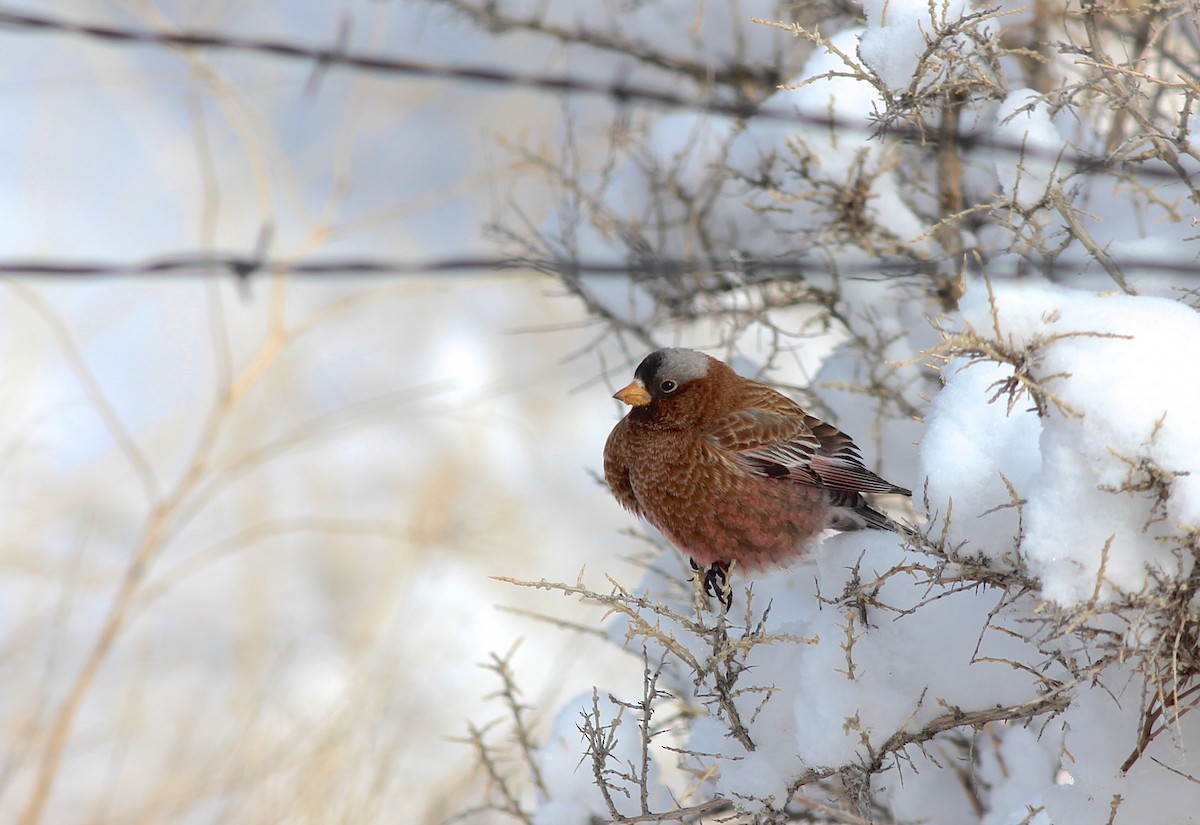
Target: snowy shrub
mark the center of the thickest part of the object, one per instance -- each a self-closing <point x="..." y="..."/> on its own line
<point x="965" y="233"/>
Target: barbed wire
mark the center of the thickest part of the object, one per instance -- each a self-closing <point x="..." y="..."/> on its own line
<point x="738" y="269"/>
<point x="324" y="58"/>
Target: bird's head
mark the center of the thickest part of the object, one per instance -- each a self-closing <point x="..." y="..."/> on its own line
<point x="667" y="387"/>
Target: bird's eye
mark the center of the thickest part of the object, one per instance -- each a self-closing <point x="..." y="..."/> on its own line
<point x="668" y="385"/>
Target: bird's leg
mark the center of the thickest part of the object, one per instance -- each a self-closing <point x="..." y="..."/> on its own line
<point x="716" y="583"/>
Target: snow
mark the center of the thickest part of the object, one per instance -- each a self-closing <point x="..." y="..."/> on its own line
<point x="909" y="667"/>
<point x="838" y="155"/>
<point x="1078" y="467"/>
<point x="963" y="438"/>
<point x="845" y="678"/>
<point x="897" y="33"/>
<point x="1048" y="432"/>
<point x="1057" y="496"/>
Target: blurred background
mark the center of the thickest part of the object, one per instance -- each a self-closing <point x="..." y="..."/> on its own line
<point x="248" y="530"/>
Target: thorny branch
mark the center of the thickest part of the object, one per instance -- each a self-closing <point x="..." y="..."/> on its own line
<point x="1122" y="76"/>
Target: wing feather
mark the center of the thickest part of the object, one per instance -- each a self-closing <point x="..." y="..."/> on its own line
<point x="788" y="443"/>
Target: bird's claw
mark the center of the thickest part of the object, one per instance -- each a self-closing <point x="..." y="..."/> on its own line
<point x="716" y="582"/>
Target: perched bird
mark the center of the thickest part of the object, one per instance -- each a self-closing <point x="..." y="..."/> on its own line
<point x="729" y="470"/>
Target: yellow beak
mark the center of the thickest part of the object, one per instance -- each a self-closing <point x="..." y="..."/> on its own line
<point x="634" y="394"/>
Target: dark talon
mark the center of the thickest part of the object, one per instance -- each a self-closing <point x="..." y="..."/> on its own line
<point x="716" y="583"/>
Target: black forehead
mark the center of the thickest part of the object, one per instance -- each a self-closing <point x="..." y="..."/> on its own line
<point x="651" y="364"/>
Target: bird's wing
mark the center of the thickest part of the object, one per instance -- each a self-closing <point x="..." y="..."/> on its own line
<point x="777" y="445"/>
<point x="792" y="444"/>
<point x="840" y="465"/>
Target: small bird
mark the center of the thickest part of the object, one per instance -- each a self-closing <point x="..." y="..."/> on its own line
<point x="729" y="470"/>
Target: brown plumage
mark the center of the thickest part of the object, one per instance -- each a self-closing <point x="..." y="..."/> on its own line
<point x="729" y="470"/>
